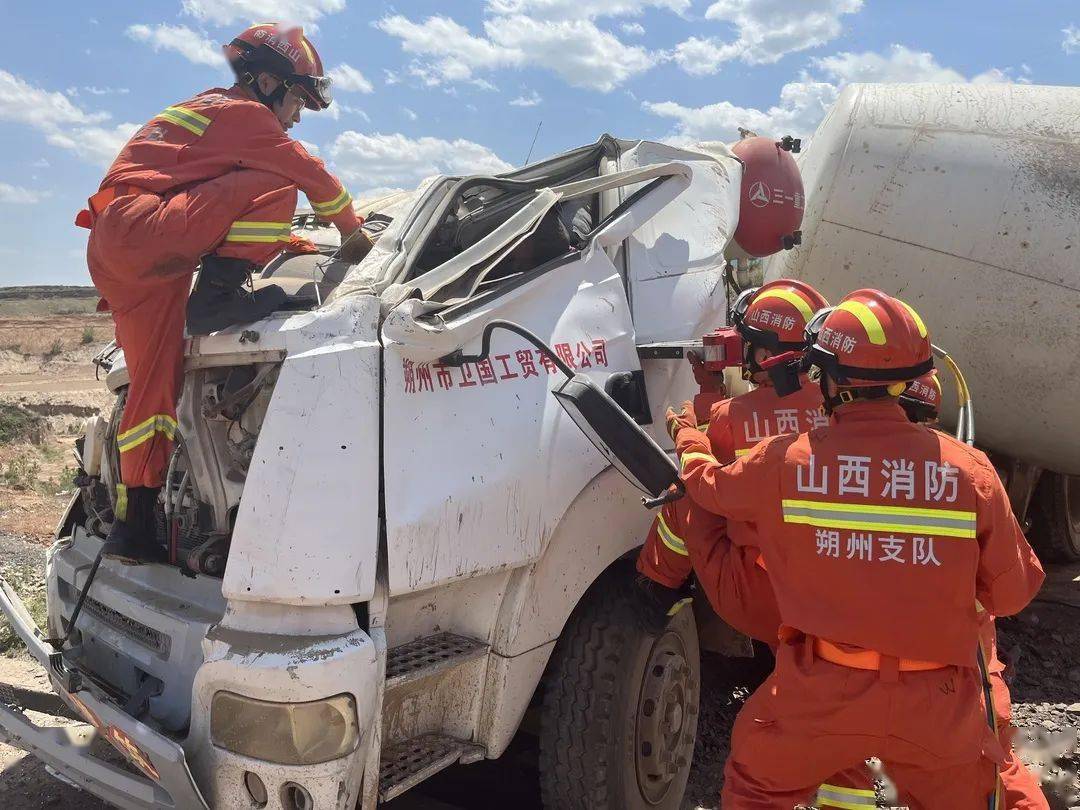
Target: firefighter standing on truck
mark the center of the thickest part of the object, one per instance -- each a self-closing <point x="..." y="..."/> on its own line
<point x="770" y="320"/>
<point x="212" y="179"/>
<point x="881" y="539"/>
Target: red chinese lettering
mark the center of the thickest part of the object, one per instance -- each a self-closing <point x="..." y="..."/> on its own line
<point x="548" y="363"/>
<point x="599" y="346"/>
<point x="423" y="377"/>
<point x="584" y="354"/>
<point x="525" y="360"/>
<point x="507" y="374"/>
<point x="410" y="376"/>
<point x="565" y="353"/>
<point x="466" y="377"/>
<point x="487" y="373"/>
<point x="442" y="374"/>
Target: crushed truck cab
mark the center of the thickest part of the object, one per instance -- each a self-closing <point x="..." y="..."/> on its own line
<point x="375" y="554"/>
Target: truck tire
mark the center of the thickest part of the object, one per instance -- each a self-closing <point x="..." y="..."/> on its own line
<point x="620" y="709"/>
<point x="1056" y="525"/>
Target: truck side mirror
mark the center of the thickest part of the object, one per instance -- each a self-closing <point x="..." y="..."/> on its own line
<point x="618" y="438"/>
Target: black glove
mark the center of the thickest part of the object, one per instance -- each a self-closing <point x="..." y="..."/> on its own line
<point x="660" y="603"/>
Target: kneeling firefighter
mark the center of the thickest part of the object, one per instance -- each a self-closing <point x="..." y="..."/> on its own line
<point x="769" y="323"/>
<point x="879" y="535"/>
<point x="211" y="179"/>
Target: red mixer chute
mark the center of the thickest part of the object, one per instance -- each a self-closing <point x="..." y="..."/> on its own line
<point x="771" y="201"/>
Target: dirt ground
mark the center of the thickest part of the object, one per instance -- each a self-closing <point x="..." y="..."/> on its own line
<point x="45" y="371"/>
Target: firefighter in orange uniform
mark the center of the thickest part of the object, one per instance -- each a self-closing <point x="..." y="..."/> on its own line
<point x="880" y="537"/>
<point x="771" y="321"/>
<point x="212" y="179"/>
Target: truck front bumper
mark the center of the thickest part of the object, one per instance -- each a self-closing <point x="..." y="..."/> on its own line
<point x="167" y="780"/>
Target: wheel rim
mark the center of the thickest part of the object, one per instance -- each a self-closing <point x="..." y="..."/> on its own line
<point x="666" y="704"/>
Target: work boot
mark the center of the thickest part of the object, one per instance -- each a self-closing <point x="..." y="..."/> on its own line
<point x="220" y="299"/>
<point x="133" y="540"/>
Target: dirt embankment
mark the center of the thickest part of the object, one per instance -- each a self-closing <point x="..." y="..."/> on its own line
<point x="48" y="388"/>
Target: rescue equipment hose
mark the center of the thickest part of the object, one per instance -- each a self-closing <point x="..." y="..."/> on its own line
<point x="459" y="358"/>
<point x="965" y="417"/>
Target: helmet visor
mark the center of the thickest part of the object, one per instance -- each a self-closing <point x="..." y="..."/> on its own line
<point x="316" y="89"/>
<point x="742" y="303"/>
<point x="813" y="327"/>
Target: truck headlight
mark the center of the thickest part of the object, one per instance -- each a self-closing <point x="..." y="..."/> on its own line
<point x="285" y="733"/>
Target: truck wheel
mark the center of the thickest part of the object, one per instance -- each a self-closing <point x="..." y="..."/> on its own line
<point x="1056" y="527"/>
<point x="620" y="709"/>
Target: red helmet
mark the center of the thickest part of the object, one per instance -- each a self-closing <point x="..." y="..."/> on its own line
<point x="775" y="316"/>
<point x="284" y="52"/>
<point x="870" y="339"/>
<point x="922" y="398"/>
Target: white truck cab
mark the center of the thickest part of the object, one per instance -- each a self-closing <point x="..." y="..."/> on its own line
<point x="380" y="559"/>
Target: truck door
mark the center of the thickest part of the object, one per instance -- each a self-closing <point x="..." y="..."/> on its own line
<point x="480" y="461"/>
<point x="674" y="263"/>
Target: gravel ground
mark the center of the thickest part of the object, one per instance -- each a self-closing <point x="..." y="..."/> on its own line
<point x="1041" y="648"/>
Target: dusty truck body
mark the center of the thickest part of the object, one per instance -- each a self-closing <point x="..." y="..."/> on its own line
<point x="964" y="200"/>
<point x="417" y="543"/>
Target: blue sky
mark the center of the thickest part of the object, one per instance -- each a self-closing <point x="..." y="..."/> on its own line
<point x="425" y="87"/>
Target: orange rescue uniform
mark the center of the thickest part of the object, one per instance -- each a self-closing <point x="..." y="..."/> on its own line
<point x="724" y="555"/>
<point x="214" y="174"/>
<point x="879" y="536"/>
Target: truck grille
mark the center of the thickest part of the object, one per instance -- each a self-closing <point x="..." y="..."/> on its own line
<point x="137" y="631"/>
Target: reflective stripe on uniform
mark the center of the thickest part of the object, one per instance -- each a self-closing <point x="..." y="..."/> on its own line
<point x="743" y="452"/>
<point x="331" y="207"/>
<point x="906" y="519"/>
<point x="703" y="428"/>
<point x="848" y="798"/>
<point x="188" y="119"/>
<point x="669" y="538"/>
<point x="867" y="318"/>
<point x="244" y="231"/>
<point x="121" y="502"/>
<point x="145" y="430"/>
<point x="691" y="456"/>
<point x="679" y="605"/>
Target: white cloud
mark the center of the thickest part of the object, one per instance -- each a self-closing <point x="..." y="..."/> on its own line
<point x="107" y="91"/>
<point x="349" y="79"/>
<point x="24" y="103"/>
<point x="583" y="9"/>
<point x="62" y="123"/>
<point x="20" y="195"/>
<point x="766" y="30"/>
<point x="409" y="114"/>
<point x="899" y="64"/>
<point x="41" y="163"/>
<point x="579" y="52"/>
<point x="97" y="145"/>
<point x="397" y="161"/>
<point x="530" y="100"/>
<point x="312" y="148"/>
<point x="633" y="29"/>
<point x="1071" y="41"/>
<point x="350" y="110"/>
<point x="192" y="45"/>
<point x="227" y="12"/>
<point x="803" y="103"/>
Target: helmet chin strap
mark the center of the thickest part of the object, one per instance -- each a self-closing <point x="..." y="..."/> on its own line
<point x="269" y="99"/>
<point x="845" y="395"/>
